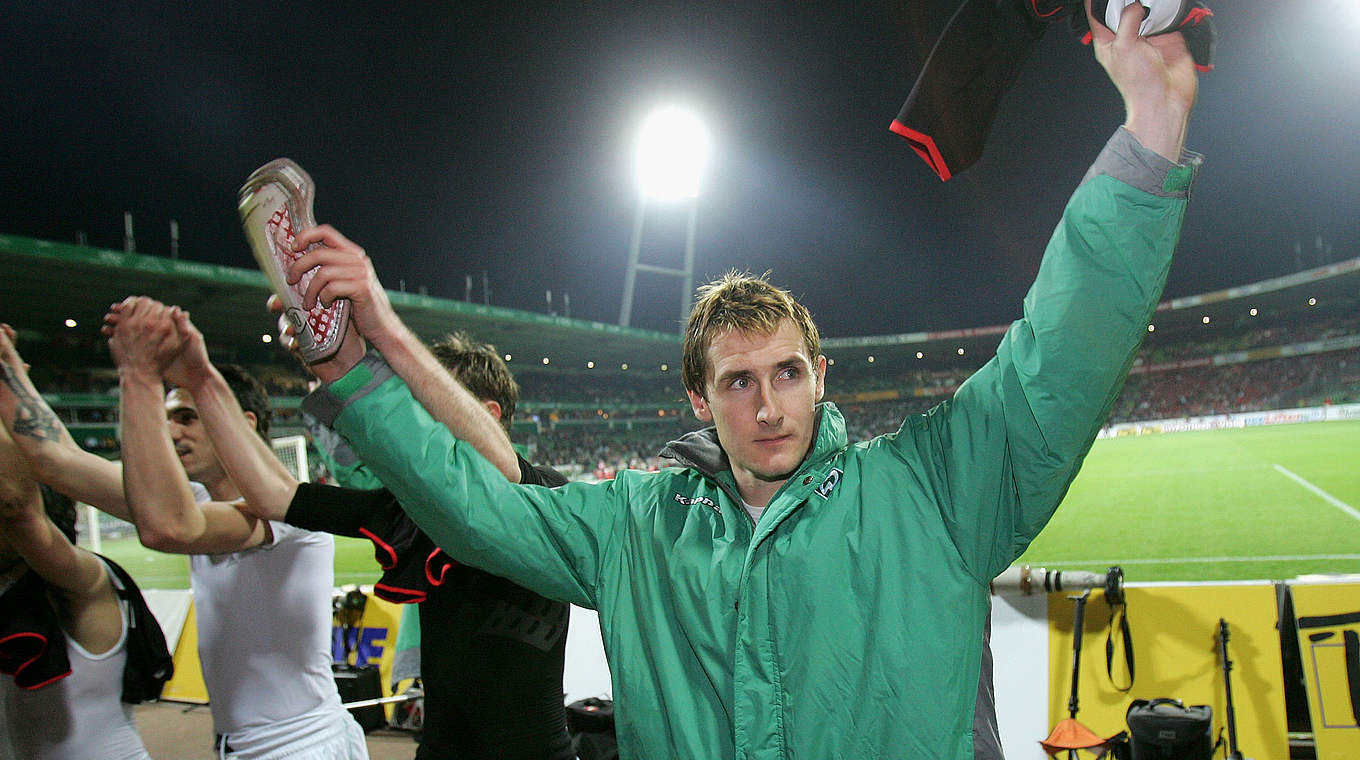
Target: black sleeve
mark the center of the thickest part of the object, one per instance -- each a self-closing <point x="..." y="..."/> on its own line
<point x="341" y="511"/>
<point x="537" y="475"/>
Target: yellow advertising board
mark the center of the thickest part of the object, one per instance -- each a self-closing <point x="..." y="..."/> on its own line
<point x="373" y="641"/>
<point x="1176" y="655"/>
<point x="187" y="685"/>
<point x="1328" y="616"/>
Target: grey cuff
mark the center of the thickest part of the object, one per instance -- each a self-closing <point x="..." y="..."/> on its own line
<point x="330" y="441"/>
<point x="1125" y="159"/>
<point x="326" y="403"/>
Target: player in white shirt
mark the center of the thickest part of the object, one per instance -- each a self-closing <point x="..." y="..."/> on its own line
<point x="262" y="590"/>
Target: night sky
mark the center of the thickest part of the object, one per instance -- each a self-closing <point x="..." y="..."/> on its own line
<point x="478" y="137"/>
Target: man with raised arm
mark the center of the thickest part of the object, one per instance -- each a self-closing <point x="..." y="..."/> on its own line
<point x="262" y="590"/>
<point x="492" y="653"/>
<point x="63" y="632"/>
<point x="781" y="592"/>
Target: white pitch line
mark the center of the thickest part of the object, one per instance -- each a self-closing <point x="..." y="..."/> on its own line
<point x="1189" y="560"/>
<point x="1330" y="499"/>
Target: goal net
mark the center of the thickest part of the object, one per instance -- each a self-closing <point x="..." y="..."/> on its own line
<point x="292" y="451"/>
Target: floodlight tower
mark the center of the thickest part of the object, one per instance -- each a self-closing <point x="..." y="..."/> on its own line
<point x="672" y="149"/>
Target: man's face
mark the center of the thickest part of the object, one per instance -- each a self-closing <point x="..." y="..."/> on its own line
<point x="192" y="443"/>
<point x="762" y="393"/>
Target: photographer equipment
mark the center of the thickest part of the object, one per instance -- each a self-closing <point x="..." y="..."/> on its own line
<point x="1069" y="734"/>
<point x="360" y="687"/>
<point x="408" y="714"/>
<point x="1233" y="752"/>
<point x="1165" y="729"/>
<point x="591" y="724"/>
<point x="1028" y="580"/>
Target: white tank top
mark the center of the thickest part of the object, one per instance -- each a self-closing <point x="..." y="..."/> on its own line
<point x="80" y="717"/>
<point x="264" y="634"/>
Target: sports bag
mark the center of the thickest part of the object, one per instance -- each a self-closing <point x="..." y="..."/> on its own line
<point x="1165" y="729"/>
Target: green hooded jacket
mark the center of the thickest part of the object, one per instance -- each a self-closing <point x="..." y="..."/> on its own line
<point x="846" y="623"/>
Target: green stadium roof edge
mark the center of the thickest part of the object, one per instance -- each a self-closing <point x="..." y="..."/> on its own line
<point x="44" y="283"/>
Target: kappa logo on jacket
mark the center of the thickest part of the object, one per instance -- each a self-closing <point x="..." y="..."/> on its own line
<point x="692" y="500"/>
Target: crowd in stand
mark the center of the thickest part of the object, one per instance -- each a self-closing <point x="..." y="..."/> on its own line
<point x="1285" y="382"/>
<point x="600" y="452"/>
<point x="600" y="389"/>
<point x="1245" y="387"/>
<point x="864" y="378"/>
<point x="1242" y="337"/>
<point x="595" y="424"/>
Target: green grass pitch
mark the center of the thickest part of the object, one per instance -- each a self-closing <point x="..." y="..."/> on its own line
<point x="1255" y="503"/>
<point x="354" y="563"/>
<point x="1252" y="503"/>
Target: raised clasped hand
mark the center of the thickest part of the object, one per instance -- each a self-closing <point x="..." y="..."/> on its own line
<point x="143" y="335"/>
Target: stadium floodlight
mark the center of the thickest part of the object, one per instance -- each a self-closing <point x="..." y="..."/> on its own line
<point x="671" y="154"/>
<point x="672" y="149"/>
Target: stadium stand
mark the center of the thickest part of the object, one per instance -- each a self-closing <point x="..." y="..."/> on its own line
<point x="1281" y="343"/>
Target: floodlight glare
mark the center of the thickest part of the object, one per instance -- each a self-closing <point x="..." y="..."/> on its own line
<point x="672" y="149"/>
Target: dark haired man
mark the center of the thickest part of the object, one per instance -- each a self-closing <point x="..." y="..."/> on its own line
<point x="491" y="652"/>
<point x="781" y="592"/>
<point x="269" y="681"/>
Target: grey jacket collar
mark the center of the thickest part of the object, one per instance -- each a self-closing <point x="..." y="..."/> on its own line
<point x="702" y="451"/>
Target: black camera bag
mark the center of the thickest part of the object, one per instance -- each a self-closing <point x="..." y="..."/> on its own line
<point x="1165" y="729"/>
<point x="591" y="724"/>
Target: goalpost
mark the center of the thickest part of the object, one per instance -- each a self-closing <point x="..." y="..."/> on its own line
<point x="292" y="451"/>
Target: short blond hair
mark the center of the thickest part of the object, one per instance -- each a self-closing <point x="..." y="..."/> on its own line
<point x="480" y="369"/>
<point x="739" y="301"/>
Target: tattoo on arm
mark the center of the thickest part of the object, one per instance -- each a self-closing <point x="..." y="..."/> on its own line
<point x="32" y="418"/>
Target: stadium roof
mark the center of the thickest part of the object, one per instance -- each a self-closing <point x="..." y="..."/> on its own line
<point x="43" y="284"/>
